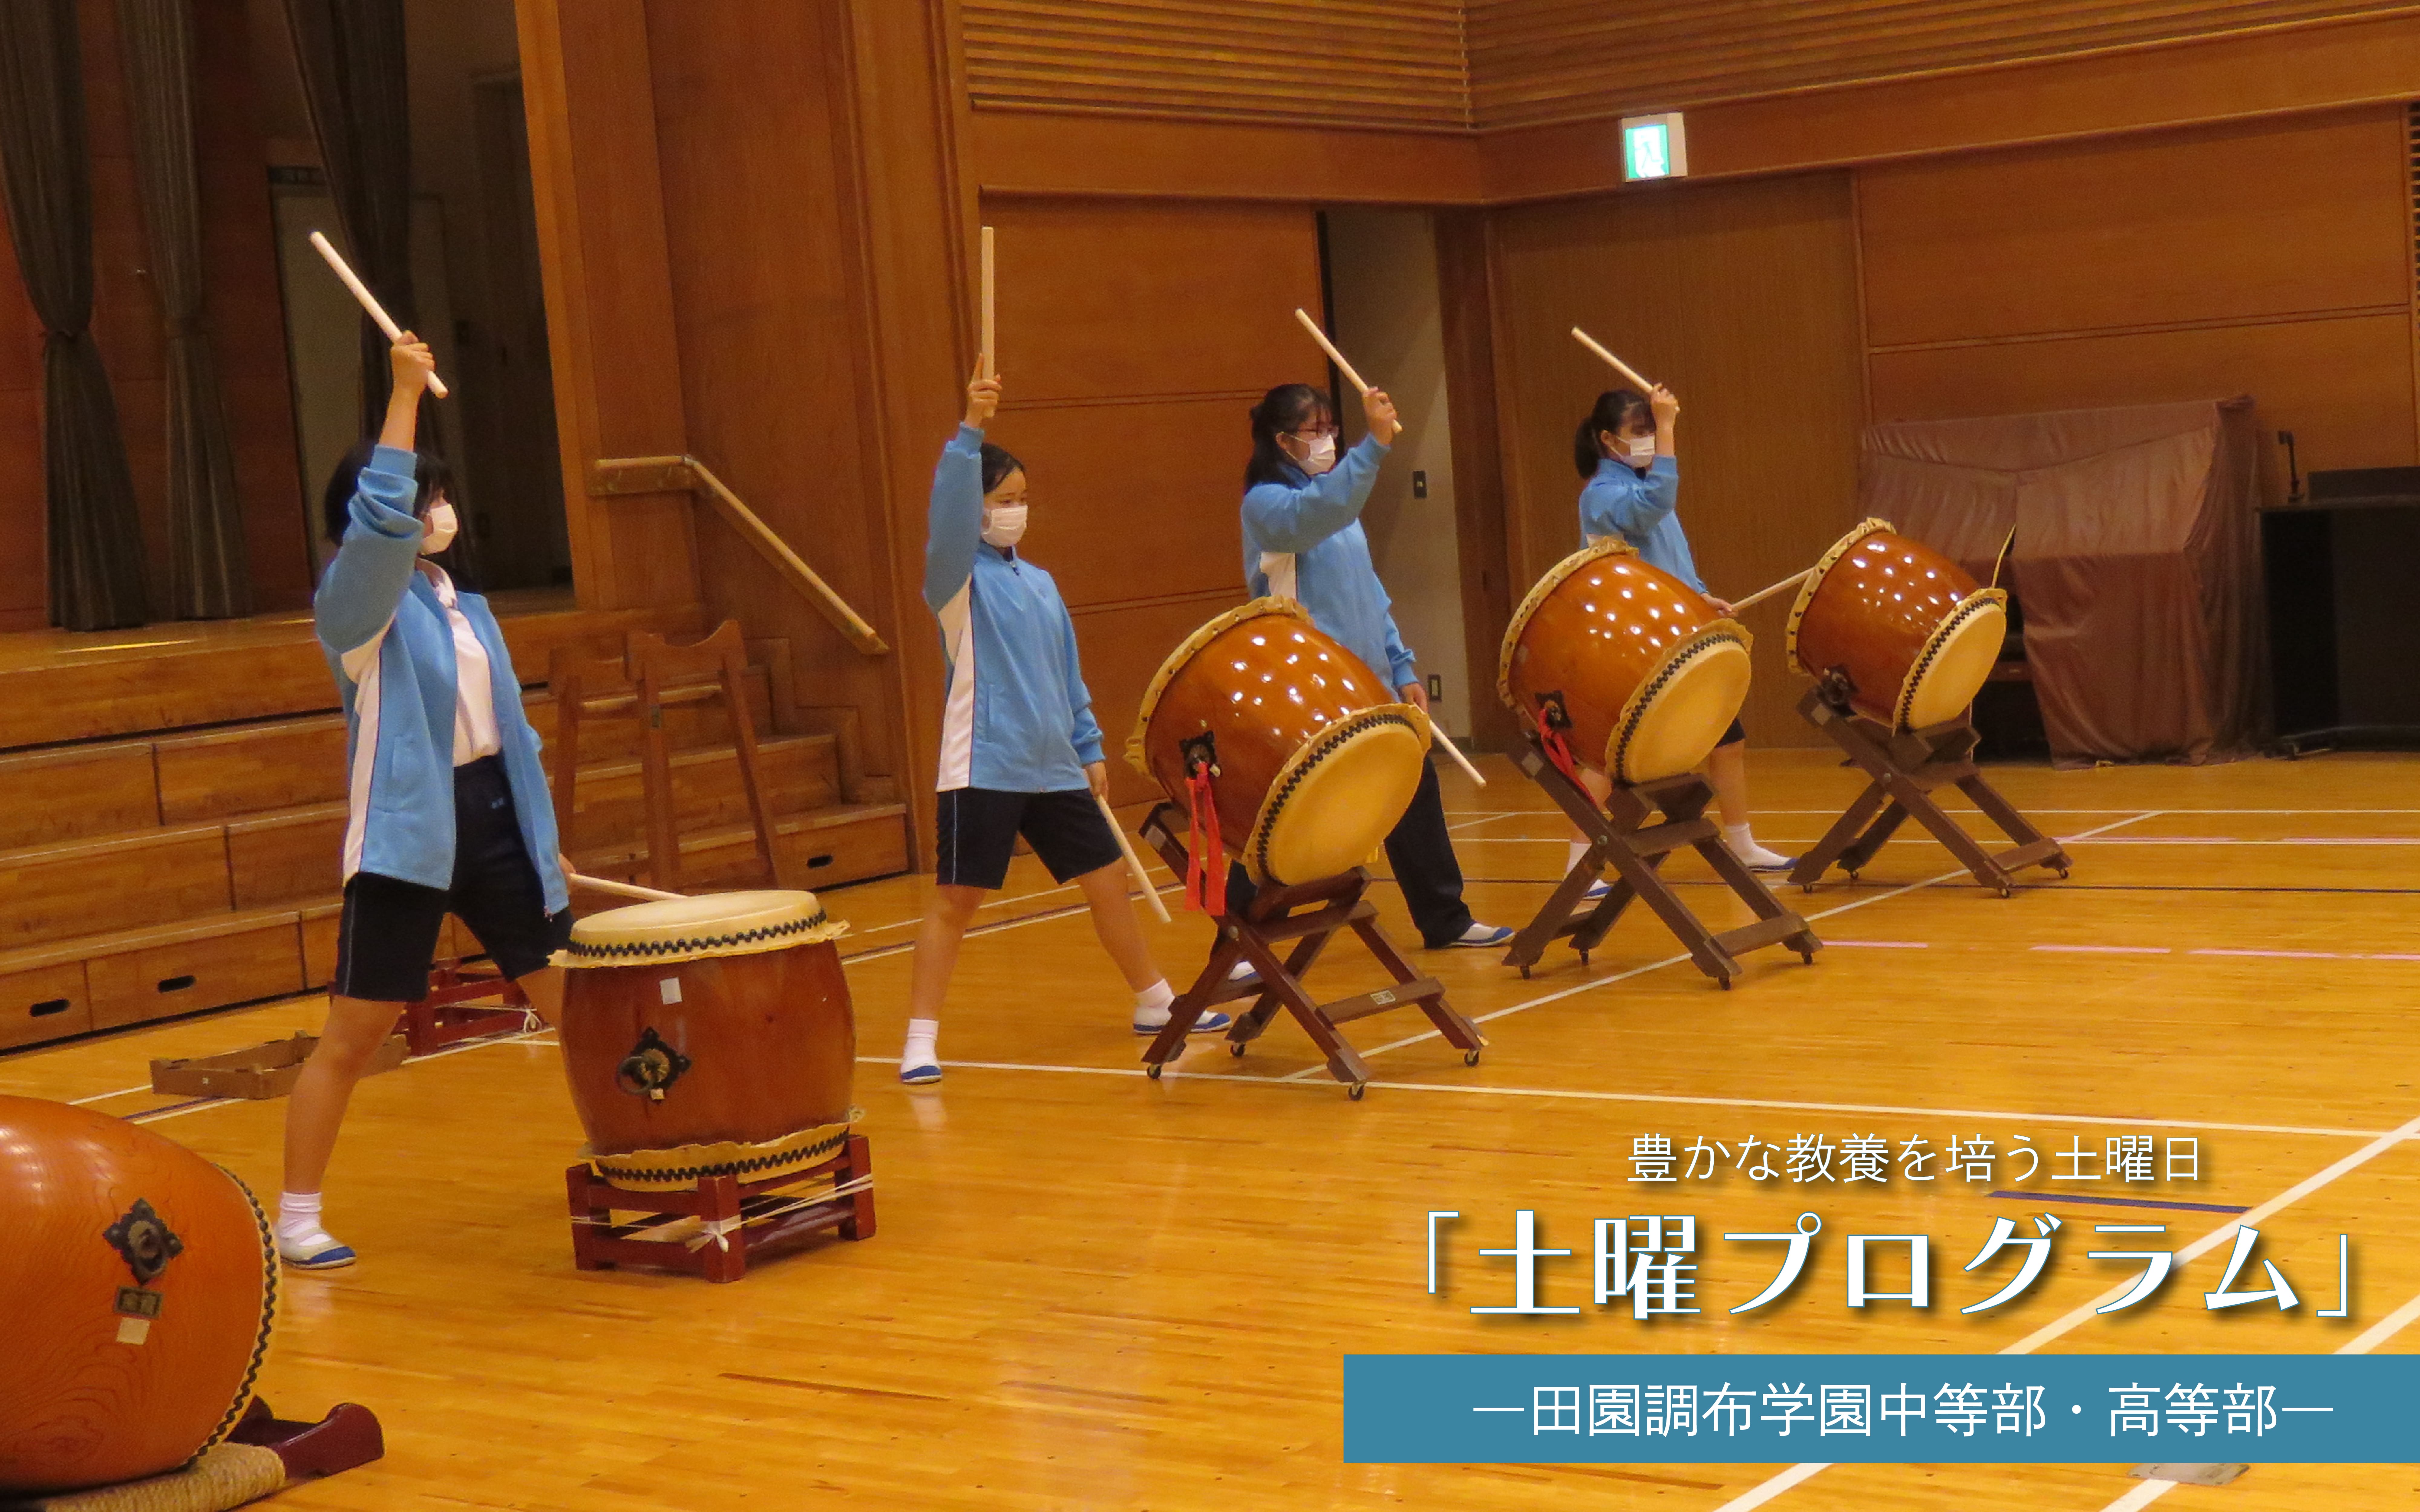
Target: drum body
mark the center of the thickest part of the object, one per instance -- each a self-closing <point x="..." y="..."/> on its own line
<point x="1629" y="663"/>
<point x="711" y="1036"/>
<point x="1312" y="759"/>
<point x="139" y="1285"/>
<point x="1907" y="629"/>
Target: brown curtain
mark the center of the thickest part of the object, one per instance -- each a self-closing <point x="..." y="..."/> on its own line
<point x="2135" y="562"/>
<point x="209" y="576"/>
<point x="96" y="542"/>
<point x="351" y="57"/>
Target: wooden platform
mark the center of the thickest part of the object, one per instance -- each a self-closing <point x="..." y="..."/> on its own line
<point x="1096" y="1291"/>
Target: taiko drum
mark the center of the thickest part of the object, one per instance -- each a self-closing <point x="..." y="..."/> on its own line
<point x="139" y="1285"/>
<point x="1903" y="630"/>
<point x="1628" y="664"/>
<point x="1311" y="759"/>
<point x="708" y="1036"/>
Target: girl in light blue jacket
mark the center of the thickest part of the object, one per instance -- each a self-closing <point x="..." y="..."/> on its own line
<point x="1020" y="750"/>
<point x="449" y="810"/>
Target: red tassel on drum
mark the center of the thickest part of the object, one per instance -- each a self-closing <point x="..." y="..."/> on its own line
<point x="1559" y="752"/>
<point x="1205" y="880"/>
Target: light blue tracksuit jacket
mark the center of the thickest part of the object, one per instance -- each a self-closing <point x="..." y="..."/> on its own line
<point x="381" y="624"/>
<point x="1017" y="717"/>
<point x="1618" y="502"/>
<point x="1317" y="521"/>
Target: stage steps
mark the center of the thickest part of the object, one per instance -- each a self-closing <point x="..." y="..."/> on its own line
<point x="193" y="869"/>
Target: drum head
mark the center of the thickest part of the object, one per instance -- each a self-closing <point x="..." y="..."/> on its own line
<point x="1341" y="795"/>
<point x="690" y="928"/>
<point x="1957" y="662"/>
<point x="1682" y="711"/>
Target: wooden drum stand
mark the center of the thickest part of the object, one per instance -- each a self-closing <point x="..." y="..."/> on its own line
<point x="1255" y="935"/>
<point x="1902" y="772"/>
<point x="1626" y="834"/>
<point x="735" y="1218"/>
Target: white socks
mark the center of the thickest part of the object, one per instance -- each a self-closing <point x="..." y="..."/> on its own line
<point x="1742" y="845"/>
<point x="919" y="1052"/>
<point x="298" y="1223"/>
<point x="1152" y="1005"/>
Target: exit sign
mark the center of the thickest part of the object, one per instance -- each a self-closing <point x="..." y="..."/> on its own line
<point x="1653" y="146"/>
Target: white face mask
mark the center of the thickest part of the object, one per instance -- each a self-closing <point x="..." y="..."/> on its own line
<point x="1322" y="456"/>
<point x="438" y="528"/>
<point x="1004" y="525"/>
<point x="1641" y="448"/>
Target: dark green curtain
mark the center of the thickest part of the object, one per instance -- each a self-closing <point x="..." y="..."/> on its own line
<point x="208" y="574"/>
<point x="96" y="542"/>
<point x="351" y="57"/>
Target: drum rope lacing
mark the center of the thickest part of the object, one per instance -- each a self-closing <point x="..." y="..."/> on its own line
<point x="718" y="1232"/>
<point x="642" y="949"/>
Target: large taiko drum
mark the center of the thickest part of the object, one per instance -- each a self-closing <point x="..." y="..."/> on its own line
<point x="1312" y="759"/>
<point x="138" y="1282"/>
<point x="1905" y="629"/>
<point x="1628" y="663"/>
<point x="709" y="1036"/>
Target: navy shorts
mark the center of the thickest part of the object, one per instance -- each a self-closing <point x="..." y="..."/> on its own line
<point x="978" y="828"/>
<point x="1732" y="736"/>
<point x="390" y="929"/>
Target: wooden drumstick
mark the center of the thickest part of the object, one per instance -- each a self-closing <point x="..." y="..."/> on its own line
<point x="1455" y="751"/>
<point x="990" y="355"/>
<point x="1134" y="862"/>
<point x="370" y="305"/>
<point x="1333" y="355"/>
<point x="1618" y="365"/>
<point x="626" y="890"/>
<point x="1763" y="594"/>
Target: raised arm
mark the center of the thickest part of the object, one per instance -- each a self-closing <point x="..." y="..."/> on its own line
<point x="954" y="525"/>
<point x="1279" y="519"/>
<point x="358" y="594"/>
<point x="1618" y="502"/>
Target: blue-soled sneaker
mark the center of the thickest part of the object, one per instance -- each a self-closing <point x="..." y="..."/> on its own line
<point x="1206" y="1024"/>
<point x="1481" y="937"/>
<point x="919" y="1075"/>
<point x="1596" y="894"/>
<point x="316" y="1252"/>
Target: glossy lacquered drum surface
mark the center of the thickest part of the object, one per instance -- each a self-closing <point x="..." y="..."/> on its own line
<point x="139" y="1286"/>
<point x="709" y="1036"/>
<point x="1314" y="760"/>
<point x="1909" y="631"/>
<point x="1629" y="664"/>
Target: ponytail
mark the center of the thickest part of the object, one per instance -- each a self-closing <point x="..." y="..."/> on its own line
<point x="1614" y="408"/>
<point x="1283" y="409"/>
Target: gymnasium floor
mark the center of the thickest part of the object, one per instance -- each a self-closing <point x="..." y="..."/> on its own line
<point x="1093" y="1291"/>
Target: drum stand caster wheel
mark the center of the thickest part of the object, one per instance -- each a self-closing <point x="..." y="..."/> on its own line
<point x="1470" y="1057"/>
<point x="2003" y="890"/>
<point x="1726" y="981"/>
<point x="1235" y="1048"/>
<point x="1525" y="973"/>
<point x="1153" y="1071"/>
<point x="1807" y="886"/>
<point x="1583" y="955"/>
<point x="1808" y="957"/>
<point x="1356" y="1090"/>
<point x="2062" y="874"/>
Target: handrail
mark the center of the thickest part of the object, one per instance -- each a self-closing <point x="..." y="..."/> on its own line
<point x="664" y="474"/>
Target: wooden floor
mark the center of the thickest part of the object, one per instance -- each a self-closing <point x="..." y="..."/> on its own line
<point x="1094" y="1290"/>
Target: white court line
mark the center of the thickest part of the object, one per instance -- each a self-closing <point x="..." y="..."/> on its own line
<point x="1001" y="928"/>
<point x="2376" y="1334"/>
<point x="1878" y="945"/>
<point x="2107" y="950"/>
<point x="1152" y="865"/>
<point x="1587" y="1095"/>
<point x="2084" y="1312"/>
<point x="1673" y="960"/>
<point x="103" y="1096"/>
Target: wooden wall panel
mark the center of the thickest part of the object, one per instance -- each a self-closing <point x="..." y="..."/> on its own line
<point x="769" y="289"/>
<point x="1533" y="61"/>
<point x="2270" y="258"/>
<point x="2255" y="220"/>
<point x="1360" y="62"/>
<point x="1743" y="298"/>
<point x="1133" y="339"/>
<point x="2342" y="386"/>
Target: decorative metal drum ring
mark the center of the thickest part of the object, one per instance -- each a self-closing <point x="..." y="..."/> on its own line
<point x="651" y="1068"/>
<point x="144" y="1241"/>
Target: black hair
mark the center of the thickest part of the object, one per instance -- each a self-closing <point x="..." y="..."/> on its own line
<point x="998" y="463"/>
<point x="434" y="478"/>
<point x="1614" y="408"/>
<point x="1283" y="409"/>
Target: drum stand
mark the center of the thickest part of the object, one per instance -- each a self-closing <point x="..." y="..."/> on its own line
<point x="1903" y="771"/>
<point x="1254" y="937"/>
<point x="453" y="1012"/>
<point x="736" y="1219"/>
<point x="1627" y="833"/>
